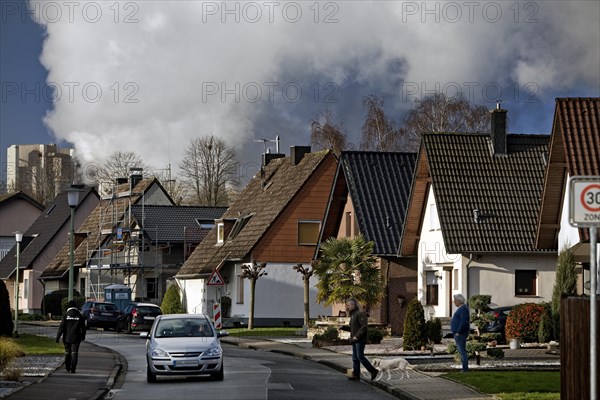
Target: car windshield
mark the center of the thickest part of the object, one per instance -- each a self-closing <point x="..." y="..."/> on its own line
<point x="106" y="307"/>
<point x="182" y="327"/>
<point x="148" y="310"/>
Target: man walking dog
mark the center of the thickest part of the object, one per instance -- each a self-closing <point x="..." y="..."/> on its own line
<point x="358" y="338"/>
<point x="72" y="329"/>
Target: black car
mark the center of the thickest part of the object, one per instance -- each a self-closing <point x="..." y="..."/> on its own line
<point x="498" y="324"/>
<point x="100" y="314"/>
<point x="137" y="317"/>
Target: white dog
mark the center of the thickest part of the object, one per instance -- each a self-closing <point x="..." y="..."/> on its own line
<point x="390" y="364"/>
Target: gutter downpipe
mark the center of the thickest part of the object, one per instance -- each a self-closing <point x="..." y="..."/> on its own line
<point x="468" y="265"/>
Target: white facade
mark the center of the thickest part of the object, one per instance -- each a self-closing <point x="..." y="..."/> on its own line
<point x="486" y="274"/>
<point x="279" y="294"/>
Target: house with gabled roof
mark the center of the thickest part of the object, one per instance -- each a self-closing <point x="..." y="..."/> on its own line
<point x="18" y="211"/>
<point x="106" y="248"/>
<point x="370" y="196"/>
<point x="276" y="220"/>
<point x="171" y="234"/>
<point x="40" y="243"/>
<point x="574" y="151"/>
<point x="473" y="215"/>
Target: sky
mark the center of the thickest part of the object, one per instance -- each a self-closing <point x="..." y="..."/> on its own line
<point x="148" y="76"/>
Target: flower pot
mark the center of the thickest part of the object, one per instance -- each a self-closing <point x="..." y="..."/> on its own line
<point x="515" y="344"/>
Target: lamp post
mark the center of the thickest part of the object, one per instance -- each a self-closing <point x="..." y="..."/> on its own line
<point x="73" y="199"/>
<point x="18" y="238"/>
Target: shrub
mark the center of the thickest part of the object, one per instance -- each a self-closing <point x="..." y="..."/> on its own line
<point x="495" y="352"/>
<point x="31" y="317"/>
<point x="414" y="326"/>
<point x="171" y="303"/>
<point x="64" y="304"/>
<point x="452" y="348"/>
<point x="13" y="374"/>
<point x="329" y="335"/>
<point x="52" y="302"/>
<point x="545" y="329"/>
<point x="6" y="318"/>
<point x="565" y="284"/>
<point x="491" y="336"/>
<point x="433" y="329"/>
<point x="524" y="321"/>
<point x="9" y="349"/>
<point x="375" y="335"/>
<point x="474" y="347"/>
<point x="480" y="305"/>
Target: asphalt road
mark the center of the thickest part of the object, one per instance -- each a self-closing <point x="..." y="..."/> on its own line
<point x="249" y="375"/>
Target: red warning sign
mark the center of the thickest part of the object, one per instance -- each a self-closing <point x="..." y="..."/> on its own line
<point x="215" y="279"/>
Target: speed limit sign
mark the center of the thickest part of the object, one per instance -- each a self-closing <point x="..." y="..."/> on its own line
<point x="584" y="210"/>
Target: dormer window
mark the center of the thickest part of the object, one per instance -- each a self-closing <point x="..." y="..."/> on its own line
<point x="220" y="232"/>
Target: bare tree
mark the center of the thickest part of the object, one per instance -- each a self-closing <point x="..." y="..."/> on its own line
<point x="117" y="165"/>
<point x="209" y="168"/>
<point x="439" y="113"/>
<point x="253" y="273"/>
<point x="306" y="274"/>
<point x="379" y="132"/>
<point x="325" y="133"/>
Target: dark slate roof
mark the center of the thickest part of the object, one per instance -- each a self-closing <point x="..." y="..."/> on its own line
<point x="41" y="232"/>
<point x="379" y="184"/>
<point x="574" y="149"/>
<point x="176" y="223"/>
<point x="282" y="181"/>
<point x="505" y="189"/>
<point x="20" y="195"/>
<point x="102" y="217"/>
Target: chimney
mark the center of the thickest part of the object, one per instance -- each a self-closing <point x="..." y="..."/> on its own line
<point x="498" y="132"/>
<point x="268" y="157"/>
<point x="297" y="153"/>
<point x="135" y="176"/>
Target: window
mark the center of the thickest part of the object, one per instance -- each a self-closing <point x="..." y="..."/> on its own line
<point x="25" y="288"/>
<point x="151" y="288"/>
<point x="240" y="289"/>
<point x="434" y="220"/>
<point x="348" y="224"/>
<point x="525" y="282"/>
<point x="432" y="289"/>
<point x="220" y="232"/>
<point x="455" y="279"/>
<point x="82" y="286"/>
<point x="308" y="232"/>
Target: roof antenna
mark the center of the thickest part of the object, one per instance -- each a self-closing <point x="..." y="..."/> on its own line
<point x="498" y="103"/>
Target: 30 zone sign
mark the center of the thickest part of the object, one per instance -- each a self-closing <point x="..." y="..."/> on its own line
<point x="585" y="201"/>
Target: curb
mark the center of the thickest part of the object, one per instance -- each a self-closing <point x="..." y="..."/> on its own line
<point x="112" y="377"/>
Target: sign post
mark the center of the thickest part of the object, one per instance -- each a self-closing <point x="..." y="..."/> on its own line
<point x="584" y="211"/>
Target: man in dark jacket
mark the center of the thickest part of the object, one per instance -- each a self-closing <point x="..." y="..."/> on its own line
<point x="72" y="330"/>
<point x="460" y="327"/>
<point x="358" y="338"/>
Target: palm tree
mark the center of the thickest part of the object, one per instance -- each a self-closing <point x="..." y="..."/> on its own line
<point x="347" y="268"/>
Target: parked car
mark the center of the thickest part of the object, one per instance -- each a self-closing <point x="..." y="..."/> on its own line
<point x="137" y="317"/>
<point x="183" y="344"/>
<point x="100" y="314"/>
<point x="499" y="323"/>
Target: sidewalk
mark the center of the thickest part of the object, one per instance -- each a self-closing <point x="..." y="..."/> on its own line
<point x="420" y="386"/>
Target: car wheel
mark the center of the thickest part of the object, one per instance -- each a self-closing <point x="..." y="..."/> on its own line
<point x="218" y="376"/>
<point x="150" y="377"/>
<point x="119" y="327"/>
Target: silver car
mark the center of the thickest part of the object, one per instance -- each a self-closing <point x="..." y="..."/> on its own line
<point x="183" y="344"/>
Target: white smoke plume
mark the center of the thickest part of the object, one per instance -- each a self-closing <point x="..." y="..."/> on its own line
<point x="146" y="76"/>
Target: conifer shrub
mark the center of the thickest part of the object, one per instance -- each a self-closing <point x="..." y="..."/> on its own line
<point x="171" y="303"/>
<point x="52" y="302"/>
<point x="545" y="330"/>
<point x="414" y="326"/>
<point x="433" y="329"/>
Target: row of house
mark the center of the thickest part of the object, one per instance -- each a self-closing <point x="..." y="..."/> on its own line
<point x="468" y="213"/>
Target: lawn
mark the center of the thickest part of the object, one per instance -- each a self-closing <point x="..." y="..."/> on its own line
<point x="39" y="345"/>
<point x="513" y="385"/>
<point x="263" y="332"/>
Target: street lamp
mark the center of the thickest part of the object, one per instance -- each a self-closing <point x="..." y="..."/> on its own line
<point x="18" y="238"/>
<point x="73" y="199"/>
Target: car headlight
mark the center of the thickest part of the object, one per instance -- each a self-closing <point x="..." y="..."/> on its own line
<point x="212" y="352"/>
<point x="159" y="353"/>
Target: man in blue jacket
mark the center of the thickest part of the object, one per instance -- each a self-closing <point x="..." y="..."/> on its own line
<point x="72" y="329"/>
<point x="460" y="327"/>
